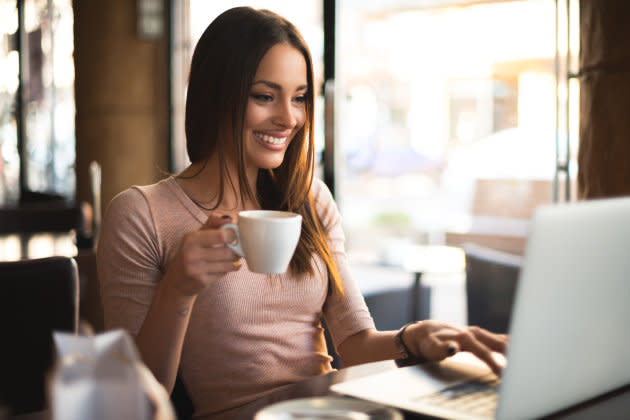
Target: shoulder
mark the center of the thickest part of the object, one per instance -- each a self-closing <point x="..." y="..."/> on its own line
<point x="324" y="204"/>
<point x="321" y="193"/>
<point x="128" y="201"/>
<point x="140" y="198"/>
<point x="127" y="212"/>
<point x="138" y="208"/>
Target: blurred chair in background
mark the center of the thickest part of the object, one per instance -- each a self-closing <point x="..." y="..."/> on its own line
<point x="53" y="216"/>
<point x="491" y="280"/>
<point x="37" y="297"/>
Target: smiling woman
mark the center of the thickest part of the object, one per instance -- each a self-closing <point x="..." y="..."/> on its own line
<point x="169" y="277"/>
<point x="276" y="107"/>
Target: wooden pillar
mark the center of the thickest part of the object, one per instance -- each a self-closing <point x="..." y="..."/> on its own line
<point x="122" y="99"/>
<point x="604" y="153"/>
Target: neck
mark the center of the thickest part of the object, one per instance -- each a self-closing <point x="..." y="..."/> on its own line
<point x="201" y="182"/>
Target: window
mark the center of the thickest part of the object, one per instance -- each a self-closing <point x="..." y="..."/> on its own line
<point x="442" y="102"/>
<point x="9" y="81"/>
<point x="36" y="99"/>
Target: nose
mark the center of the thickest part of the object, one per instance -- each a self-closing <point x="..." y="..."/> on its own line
<point x="285" y="114"/>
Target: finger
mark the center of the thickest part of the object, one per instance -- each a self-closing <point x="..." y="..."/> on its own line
<point x="211" y="238"/>
<point x="452" y="348"/>
<point x="211" y="254"/>
<point x="206" y="272"/>
<point x="219" y="268"/>
<point x="496" y="342"/>
<point x="445" y="348"/>
<point x="438" y="345"/>
<point x="217" y="254"/>
<point x="216" y="220"/>
<point x="468" y="342"/>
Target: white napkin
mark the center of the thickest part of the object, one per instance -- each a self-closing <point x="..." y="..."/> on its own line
<point x="102" y="378"/>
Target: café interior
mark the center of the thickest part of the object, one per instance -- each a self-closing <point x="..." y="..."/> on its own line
<point x="441" y="126"/>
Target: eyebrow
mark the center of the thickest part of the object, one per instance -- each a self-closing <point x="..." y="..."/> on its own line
<point x="275" y="85"/>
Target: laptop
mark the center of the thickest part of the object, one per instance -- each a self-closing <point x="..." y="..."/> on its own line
<point x="569" y="335"/>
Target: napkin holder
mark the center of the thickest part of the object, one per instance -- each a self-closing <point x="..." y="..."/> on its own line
<point x="102" y="377"/>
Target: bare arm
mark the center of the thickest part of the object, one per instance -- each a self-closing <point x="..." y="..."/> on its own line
<point x="368" y="346"/>
<point x="161" y="337"/>
<point x="433" y="340"/>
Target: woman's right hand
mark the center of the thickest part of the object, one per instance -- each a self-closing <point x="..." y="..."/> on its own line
<point x="203" y="257"/>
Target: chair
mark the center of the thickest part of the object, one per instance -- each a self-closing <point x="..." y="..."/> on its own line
<point x="51" y="215"/>
<point x="336" y="359"/>
<point x="491" y="281"/>
<point x="181" y="401"/>
<point x="37" y="297"/>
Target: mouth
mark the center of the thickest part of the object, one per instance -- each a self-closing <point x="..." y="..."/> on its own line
<point x="266" y="138"/>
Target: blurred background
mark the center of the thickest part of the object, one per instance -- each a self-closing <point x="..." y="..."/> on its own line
<point x="441" y="125"/>
<point x="439" y="122"/>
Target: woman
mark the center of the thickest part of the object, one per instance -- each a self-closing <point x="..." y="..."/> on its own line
<point x="192" y="305"/>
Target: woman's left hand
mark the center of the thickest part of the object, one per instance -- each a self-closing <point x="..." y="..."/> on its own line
<point x="437" y="340"/>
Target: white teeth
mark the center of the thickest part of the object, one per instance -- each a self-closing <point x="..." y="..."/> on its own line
<point x="271" y="140"/>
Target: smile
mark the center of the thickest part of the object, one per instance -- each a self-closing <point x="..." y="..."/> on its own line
<point x="270" y="139"/>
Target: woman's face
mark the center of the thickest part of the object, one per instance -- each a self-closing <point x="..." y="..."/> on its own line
<point x="276" y="108"/>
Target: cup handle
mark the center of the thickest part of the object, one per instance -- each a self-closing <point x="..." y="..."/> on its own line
<point x="237" y="246"/>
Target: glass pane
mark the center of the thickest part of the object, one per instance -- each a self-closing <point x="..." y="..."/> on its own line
<point x="48" y="95"/>
<point x="9" y="73"/>
<point x="64" y="112"/>
<point x="446" y="128"/>
<point x="568" y="96"/>
<point x="446" y="122"/>
<point x="306" y="15"/>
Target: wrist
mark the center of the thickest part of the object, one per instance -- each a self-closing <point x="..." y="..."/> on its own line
<point x="172" y="295"/>
<point x="175" y="286"/>
<point x="407" y="355"/>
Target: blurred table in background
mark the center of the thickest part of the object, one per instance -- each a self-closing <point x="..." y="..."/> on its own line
<point x="20" y="246"/>
<point x="426" y="281"/>
<point x="429" y="259"/>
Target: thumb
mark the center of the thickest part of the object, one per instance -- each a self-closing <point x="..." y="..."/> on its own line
<point x="215" y="221"/>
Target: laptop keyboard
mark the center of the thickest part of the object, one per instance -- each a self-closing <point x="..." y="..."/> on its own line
<point x="478" y="397"/>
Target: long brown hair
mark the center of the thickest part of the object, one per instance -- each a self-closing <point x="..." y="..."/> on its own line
<point x="223" y="67"/>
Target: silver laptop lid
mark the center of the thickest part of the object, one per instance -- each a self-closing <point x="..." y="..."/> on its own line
<point x="572" y="344"/>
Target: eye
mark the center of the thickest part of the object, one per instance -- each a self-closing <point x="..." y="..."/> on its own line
<point x="262" y="97"/>
<point x="300" y="99"/>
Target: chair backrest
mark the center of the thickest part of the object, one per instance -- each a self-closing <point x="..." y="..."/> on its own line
<point x="512" y="198"/>
<point x="37" y="297"/>
<point x="52" y="216"/>
<point x="40" y="217"/>
<point x="491" y="279"/>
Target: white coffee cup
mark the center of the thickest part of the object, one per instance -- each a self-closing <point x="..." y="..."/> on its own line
<point x="266" y="238"/>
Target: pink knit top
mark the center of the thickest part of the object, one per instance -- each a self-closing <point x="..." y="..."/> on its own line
<point x="249" y="333"/>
